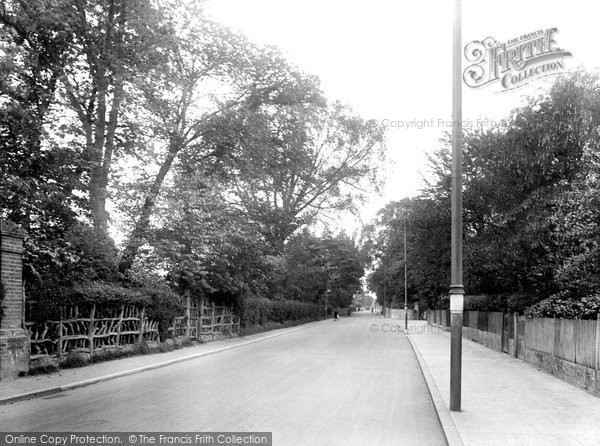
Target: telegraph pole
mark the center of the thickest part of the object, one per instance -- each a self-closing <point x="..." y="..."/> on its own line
<point x="456" y="287"/>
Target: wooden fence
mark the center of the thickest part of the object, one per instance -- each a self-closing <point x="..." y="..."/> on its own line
<point x="569" y="348"/>
<point x="89" y="328"/>
<point x="572" y="340"/>
<point x="204" y="321"/>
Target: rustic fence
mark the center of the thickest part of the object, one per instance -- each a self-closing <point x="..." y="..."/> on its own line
<point x="89" y="328"/>
<point x="202" y="320"/>
<point x="568" y="348"/>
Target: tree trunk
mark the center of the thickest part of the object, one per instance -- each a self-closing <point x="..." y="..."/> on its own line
<point x="136" y="239"/>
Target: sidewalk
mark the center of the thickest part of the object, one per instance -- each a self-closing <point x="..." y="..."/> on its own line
<point x="505" y="401"/>
<point x="34" y="386"/>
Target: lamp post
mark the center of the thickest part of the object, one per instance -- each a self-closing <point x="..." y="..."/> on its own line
<point x="384" y="288"/>
<point x="405" y="281"/>
<point x="456" y="287"/>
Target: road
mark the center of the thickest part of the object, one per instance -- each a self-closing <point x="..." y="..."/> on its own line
<point x="331" y="383"/>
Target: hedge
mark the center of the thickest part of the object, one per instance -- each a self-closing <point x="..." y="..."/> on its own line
<point x="260" y="310"/>
<point x="161" y="302"/>
<point x="106" y="293"/>
<point x="563" y="307"/>
<point x="518" y="302"/>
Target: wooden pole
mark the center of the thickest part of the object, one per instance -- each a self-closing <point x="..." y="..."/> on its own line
<point x="187" y="313"/>
<point x="212" y="322"/>
<point x="120" y="324"/>
<point x="555" y="338"/>
<point x="60" y="334"/>
<point x="502" y="340"/>
<point x="597" y="353"/>
<point x="142" y="315"/>
<point x="92" y="329"/>
<point x="200" y="317"/>
<point x="516" y="332"/>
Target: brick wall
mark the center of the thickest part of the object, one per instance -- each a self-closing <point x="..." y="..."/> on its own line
<point x="14" y="340"/>
<point x="11" y="271"/>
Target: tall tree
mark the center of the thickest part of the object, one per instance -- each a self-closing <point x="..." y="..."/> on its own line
<point x="522" y="181"/>
<point x="296" y="161"/>
<point x="40" y="176"/>
<point x="97" y="51"/>
<point x="206" y="57"/>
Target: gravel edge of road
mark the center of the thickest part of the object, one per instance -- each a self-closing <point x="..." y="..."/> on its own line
<point x="451" y="433"/>
<point x="57" y="389"/>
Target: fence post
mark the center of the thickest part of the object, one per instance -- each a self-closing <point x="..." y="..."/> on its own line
<point x="120" y="325"/>
<point x="516" y="332"/>
<point x="142" y="315"/>
<point x="187" y="313"/>
<point x="502" y="332"/>
<point x="555" y="338"/>
<point x="60" y="334"/>
<point x="200" y="316"/>
<point x="597" y="352"/>
<point x="212" y="322"/>
<point x="92" y="329"/>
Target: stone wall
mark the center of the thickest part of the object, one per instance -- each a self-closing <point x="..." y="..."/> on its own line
<point x="490" y="340"/>
<point x="578" y="375"/>
<point x="14" y="340"/>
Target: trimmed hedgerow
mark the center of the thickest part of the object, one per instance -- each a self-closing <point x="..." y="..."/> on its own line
<point x="106" y="293"/>
<point x="161" y="302"/>
<point x="499" y="302"/>
<point x="518" y="302"/>
<point x="260" y="311"/>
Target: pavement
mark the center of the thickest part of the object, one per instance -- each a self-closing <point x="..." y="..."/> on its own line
<point x="505" y="401"/>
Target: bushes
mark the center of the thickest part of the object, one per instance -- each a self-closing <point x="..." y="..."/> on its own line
<point x="499" y="302"/>
<point x="162" y="305"/>
<point x="260" y="311"/>
<point x="562" y="307"/>
<point x="517" y="302"/>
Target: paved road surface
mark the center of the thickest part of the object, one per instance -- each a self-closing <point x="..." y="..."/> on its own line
<point x="333" y="383"/>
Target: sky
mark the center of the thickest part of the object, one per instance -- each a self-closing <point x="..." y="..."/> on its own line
<point x="391" y="60"/>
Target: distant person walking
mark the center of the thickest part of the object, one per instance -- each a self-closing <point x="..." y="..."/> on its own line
<point x="335" y="314"/>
